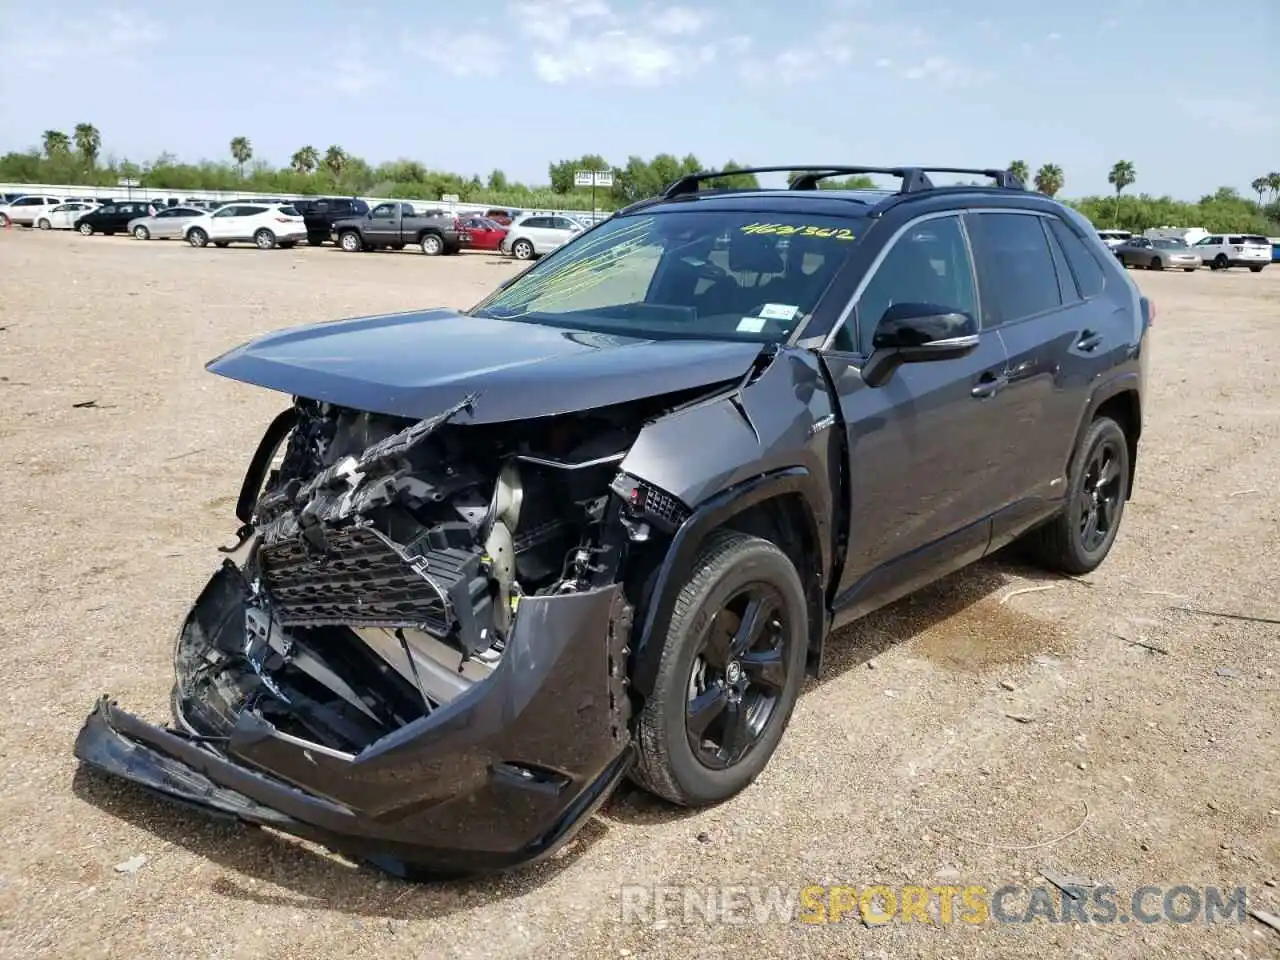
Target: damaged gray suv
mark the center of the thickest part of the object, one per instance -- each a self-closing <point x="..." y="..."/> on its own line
<point x="601" y="525"/>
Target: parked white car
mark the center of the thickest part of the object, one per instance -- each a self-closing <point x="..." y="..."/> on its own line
<point x="1222" y="251"/>
<point x="1113" y="238"/>
<point x="171" y="222"/>
<point x="64" y="215"/>
<point x="266" y="225"/>
<point x="535" y="235"/>
<point x="25" y="211"/>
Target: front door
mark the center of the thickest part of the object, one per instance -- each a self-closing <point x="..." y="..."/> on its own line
<point x="222" y="225"/>
<point x="924" y="445"/>
<point x="384" y="225"/>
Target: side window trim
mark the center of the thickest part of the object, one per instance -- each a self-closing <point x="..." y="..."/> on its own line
<point x="849" y="309"/>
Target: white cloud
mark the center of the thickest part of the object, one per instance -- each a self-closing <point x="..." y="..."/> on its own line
<point x="1054" y="37"/>
<point x="465" y="55"/>
<point x="352" y="76"/>
<point x="946" y="73"/>
<point x="586" y="39"/>
<point x="679" y="21"/>
<point x="120" y="37"/>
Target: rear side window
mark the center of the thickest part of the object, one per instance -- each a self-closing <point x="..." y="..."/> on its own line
<point x="359" y="206"/>
<point x="1016" y="274"/>
<point x="290" y="211"/>
<point x="1084" y="265"/>
<point x="1235" y="240"/>
<point x="251" y="211"/>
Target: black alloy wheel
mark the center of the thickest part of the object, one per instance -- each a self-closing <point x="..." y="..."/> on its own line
<point x="1100" y="494"/>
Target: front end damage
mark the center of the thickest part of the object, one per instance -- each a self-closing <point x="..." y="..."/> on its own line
<point x="417" y="653"/>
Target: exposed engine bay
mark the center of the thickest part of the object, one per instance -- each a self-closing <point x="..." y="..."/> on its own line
<point x="386" y="559"/>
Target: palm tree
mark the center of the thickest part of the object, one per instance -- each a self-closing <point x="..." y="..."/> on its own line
<point x="305" y="160"/>
<point x="241" y="152"/>
<point x="1020" y="170"/>
<point x="1259" y="186"/>
<point x="335" y="158"/>
<point x="56" y="142"/>
<point x="88" y="142"/>
<point x="1273" y="184"/>
<point x="1122" y="175"/>
<point x="1049" y="179"/>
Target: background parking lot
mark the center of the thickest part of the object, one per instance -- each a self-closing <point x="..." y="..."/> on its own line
<point x="984" y="714"/>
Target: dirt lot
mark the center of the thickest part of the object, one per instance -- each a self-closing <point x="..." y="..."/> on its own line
<point x="902" y="765"/>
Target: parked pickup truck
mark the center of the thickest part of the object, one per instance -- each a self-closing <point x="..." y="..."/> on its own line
<point x="396" y="225"/>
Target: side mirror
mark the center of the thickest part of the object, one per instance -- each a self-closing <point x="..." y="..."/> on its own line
<point x="918" y="333"/>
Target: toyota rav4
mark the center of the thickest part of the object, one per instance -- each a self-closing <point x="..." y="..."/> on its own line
<point x="602" y="524"/>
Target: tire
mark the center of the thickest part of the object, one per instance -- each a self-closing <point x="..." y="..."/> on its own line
<point x="288" y="244"/>
<point x="1155" y="264"/>
<point x="317" y="239"/>
<point x="1255" y="269"/>
<point x="1188" y="269"/>
<point x="1220" y="262"/>
<point x="222" y="244"/>
<point x="264" y="239"/>
<point x="522" y="250"/>
<point x="197" y="237"/>
<point x="350" y="241"/>
<point x="397" y="246"/>
<point x="141" y="232"/>
<point x="432" y="244"/>
<point x="4" y="221"/>
<point x="1063" y="544"/>
<point x="44" y="224"/>
<point x="732" y="569"/>
<point x="86" y="229"/>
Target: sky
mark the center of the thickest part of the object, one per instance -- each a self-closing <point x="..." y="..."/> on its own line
<point x="1189" y="94"/>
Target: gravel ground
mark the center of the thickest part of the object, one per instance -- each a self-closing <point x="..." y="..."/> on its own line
<point x="902" y="764"/>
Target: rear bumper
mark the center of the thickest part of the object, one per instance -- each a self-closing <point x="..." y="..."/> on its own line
<point x="496" y="779"/>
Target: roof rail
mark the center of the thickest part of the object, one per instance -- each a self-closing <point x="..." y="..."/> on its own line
<point x="914" y="178"/>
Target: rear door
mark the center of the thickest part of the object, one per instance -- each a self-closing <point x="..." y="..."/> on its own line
<point x="924" y="446"/>
<point x="1041" y="292"/>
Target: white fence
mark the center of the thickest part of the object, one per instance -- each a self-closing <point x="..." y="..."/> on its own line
<point x="153" y="193"/>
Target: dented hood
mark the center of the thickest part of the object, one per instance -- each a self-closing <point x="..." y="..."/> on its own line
<point x="416" y="364"/>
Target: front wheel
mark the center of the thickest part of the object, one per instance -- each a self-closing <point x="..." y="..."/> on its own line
<point x="264" y="239"/>
<point x="86" y="230"/>
<point x="4" y="221"/>
<point x="197" y="237"/>
<point x="1220" y="262"/>
<point x="350" y="242"/>
<point x="44" y="224"/>
<point x="432" y="245"/>
<point x="729" y="673"/>
<point x="1079" y="538"/>
<point x="1188" y="269"/>
<point x="141" y="232"/>
<point x="522" y="250"/>
<point x="1156" y="264"/>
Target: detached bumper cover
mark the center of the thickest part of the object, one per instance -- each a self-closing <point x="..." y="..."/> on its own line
<point x="496" y="779"/>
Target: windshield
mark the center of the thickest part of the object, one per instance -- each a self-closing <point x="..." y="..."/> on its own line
<point x="690" y="274"/>
<point x="1168" y="243"/>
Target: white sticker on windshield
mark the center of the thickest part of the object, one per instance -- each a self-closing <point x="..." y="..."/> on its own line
<point x="751" y="324"/>
<point x="778" y="311"/>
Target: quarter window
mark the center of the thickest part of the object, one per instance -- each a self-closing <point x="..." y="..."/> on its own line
<point x="929" y="263"/>
<point x="1084" y="265"/>
<point x="1015" y="267"/>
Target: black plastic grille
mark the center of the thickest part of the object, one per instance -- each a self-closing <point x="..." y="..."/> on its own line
<point x="363" y="581"/>
<point x="664" y="507"/>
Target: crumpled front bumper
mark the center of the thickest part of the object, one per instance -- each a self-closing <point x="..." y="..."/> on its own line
<point x="496" y="779"/>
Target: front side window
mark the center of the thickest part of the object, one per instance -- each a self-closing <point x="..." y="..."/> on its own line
<point x="666" y="276"/>
<point x="1015" y="267"/>
<point x="228" y="212"/>
<point x="386" y="210"/>
<point x="929" y="263"/>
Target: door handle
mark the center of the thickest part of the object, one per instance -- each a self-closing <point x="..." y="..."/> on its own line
<point x="1089" y="341"/>
<point x="988" y="385"/>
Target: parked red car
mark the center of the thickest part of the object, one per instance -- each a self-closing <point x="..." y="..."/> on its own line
<point x="485" y="233"/>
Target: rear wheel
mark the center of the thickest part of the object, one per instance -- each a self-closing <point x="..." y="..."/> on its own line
<point x="1079" y="538"/>
<point x="317" y="239"/>
<point x="350" y="242"/>
<point x="1255" y="269"/>
<point x="4" y="220"/>
<point x="141" y="232"/>
<point x="44" y="224"/>
<point x="222" y="244"/>
<point x="1188" y="269"/>
<point x="197" y="237"/>
<point x="432" y="245"/>
<point x="729" y="674"/>
<point x="86" y="230"/>
<point x="1156" y="264"/>
<point x="288" y="244"/>
<point x="264" y="239"/>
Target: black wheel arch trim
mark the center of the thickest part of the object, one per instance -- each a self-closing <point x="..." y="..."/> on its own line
<point x="1128" y="382"/>
<point x="677" y="565"/>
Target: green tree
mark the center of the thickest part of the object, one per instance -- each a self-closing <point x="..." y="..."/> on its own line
<point x="88" y="143"/>
<point x="497" y="181"/>
<point x="305" y="160"/>
<point x="1273" y="184"/>
<point x="1020" y="170"/>
<point x="335" y="160"/>
<point x="1049" y="179"/>
<point x="1259" y="186"/>
<point x="1122" y="175"/>
<point x="241" y="152"/>
<point x="56" y="143"/>
<point x="561" y="173"/>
